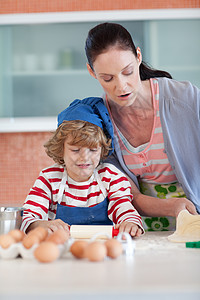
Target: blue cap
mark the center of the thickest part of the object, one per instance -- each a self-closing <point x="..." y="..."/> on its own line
<point x="92" y="110"/>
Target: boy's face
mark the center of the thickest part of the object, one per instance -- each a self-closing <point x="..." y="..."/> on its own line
<point x="80" y="161"/>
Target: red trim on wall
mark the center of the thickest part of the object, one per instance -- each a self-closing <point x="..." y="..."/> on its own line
<point x="37" y="6"/>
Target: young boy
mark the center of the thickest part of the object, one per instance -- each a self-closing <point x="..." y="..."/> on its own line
<point x="79" y="188"/>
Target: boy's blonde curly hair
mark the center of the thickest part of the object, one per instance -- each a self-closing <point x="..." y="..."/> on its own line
<point x="80" y="133"/>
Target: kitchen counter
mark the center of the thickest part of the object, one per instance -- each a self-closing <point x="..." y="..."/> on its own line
<point x="158" y="269"/>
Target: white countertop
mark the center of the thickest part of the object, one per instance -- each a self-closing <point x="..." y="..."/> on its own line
<point x="159" y="269"/>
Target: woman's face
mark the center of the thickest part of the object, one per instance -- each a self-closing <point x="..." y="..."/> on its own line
<point x="118" y="73"/>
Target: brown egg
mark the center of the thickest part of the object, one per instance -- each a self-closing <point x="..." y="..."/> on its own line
<point x="78" y="248"/>
<point x="41" y="232"/>
<point x="114" y="248"/>
<point x="6" y="241"/>
<point x="30" y="240"/>
<point x="60" y="236"/>
<point x="96" y="251"/>
<point x="46" y="252"/>
<point x="17" y="234"/>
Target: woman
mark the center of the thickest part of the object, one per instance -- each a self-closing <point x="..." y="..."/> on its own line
<point x="155" y="120"/>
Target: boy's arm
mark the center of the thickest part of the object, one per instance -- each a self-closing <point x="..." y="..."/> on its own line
<point x="36" y="205"/>
<point x="120" y="208"/>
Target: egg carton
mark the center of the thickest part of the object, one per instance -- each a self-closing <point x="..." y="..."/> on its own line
<point x="125" y="239"/>
<point x="128" y="244"/>
<point x="17" y="249"/>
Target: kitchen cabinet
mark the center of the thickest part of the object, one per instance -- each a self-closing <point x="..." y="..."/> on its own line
<point x="158" y="269"/>
<point x="43" y="66"/>
<point x="174" y="46"/>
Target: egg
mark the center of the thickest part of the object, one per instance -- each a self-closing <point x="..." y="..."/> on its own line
<point x="17" y="234"/>
<point x="30" y="240"/>
<point x="60" y="236"/>
<point x="78" y="248"/>
<point x="41" y="232"/>
<point x="114" y="248"/>
<point x="6" y="241"/>
<point x="96" y="251"/>
<point x="46" y="252"/>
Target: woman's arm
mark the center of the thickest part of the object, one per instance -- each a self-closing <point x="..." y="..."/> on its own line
<point x="156" y="207"/>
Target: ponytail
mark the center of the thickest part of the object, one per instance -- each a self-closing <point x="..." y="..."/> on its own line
<point x="147" y="72"/>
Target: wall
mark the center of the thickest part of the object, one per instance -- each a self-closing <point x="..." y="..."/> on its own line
<point x="22" y="155"/>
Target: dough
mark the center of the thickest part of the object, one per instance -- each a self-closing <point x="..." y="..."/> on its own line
<point x="187" y="228"/>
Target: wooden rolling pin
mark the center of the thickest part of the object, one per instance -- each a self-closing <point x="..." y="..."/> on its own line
<point x="88" y="231"/>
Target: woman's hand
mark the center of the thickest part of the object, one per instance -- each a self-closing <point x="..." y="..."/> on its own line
<point x="131" y="228"/>
<point x="52" y="225"/>
<point x="178" y="204"/>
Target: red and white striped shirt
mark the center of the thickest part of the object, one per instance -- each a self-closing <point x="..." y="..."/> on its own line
<point x="41" y="202"/>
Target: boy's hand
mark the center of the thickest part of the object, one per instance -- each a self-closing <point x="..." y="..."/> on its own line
<point x="57" y="224"/>
<point x="52" y="226"/>
<point x="131" y="228"/>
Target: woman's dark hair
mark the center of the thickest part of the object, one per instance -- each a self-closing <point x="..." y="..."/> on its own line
<point x="106" y="35"/>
